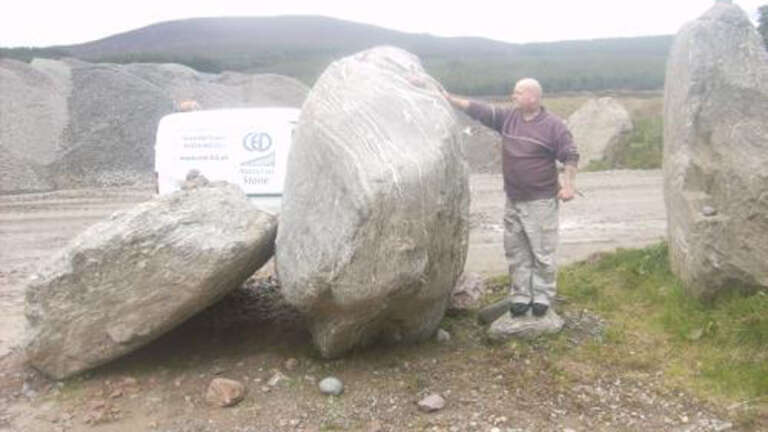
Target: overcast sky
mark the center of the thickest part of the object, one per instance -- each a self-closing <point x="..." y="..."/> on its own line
<point x="44" y="23"/>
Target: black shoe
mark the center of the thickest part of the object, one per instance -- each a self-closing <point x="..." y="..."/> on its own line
<point x="519" y="309"/>
<point x="539" y="309"/>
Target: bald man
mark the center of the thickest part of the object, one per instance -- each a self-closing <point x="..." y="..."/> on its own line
<point x="532" y="140"/>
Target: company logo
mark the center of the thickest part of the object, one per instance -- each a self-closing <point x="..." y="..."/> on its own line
<point x="257" y="142"/>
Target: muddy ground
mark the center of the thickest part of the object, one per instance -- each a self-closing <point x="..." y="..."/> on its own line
<point x="508" y="387"/>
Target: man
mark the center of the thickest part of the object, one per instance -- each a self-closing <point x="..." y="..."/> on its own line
<point x="532" y="140"/>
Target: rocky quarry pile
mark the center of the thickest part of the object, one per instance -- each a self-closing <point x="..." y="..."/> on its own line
<point x="69" y="123"/>
<point x="715" y="152"/>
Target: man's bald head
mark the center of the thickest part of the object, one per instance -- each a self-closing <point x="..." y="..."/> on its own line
<point x="530" y="84"/>
<point x="527" y="95"/>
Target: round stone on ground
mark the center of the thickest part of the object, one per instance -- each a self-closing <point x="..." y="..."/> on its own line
<point x="224" y="392"/>
<point x="431" y="403"/>
<point x="331" y="386"/>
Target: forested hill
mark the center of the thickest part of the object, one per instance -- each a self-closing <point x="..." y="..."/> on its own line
<point x="302" y="46"/>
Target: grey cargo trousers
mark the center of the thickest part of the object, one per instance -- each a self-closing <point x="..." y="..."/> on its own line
<point x="530" y="246"/>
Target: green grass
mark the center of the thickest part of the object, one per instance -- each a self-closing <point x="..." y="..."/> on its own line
<point x="718" y="349"/>
<point x="643" y="147"/>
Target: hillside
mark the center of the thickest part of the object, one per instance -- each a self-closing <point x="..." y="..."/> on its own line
<point x="302" y="46"/>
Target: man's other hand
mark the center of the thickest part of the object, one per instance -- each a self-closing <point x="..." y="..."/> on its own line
<point x="566" y="193"/>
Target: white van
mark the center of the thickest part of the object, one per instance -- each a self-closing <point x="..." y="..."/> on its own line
<point x="244" y="146"/>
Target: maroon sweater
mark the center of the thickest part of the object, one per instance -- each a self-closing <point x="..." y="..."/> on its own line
<point x="529" y="149"/>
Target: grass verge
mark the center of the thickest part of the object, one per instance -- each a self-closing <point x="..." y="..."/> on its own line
<point x="717" y="350"/>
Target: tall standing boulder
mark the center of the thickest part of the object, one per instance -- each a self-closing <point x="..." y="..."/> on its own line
<point x="715" y="154"/>
<point x="129" y="279"/>
<point x="374" y="226"/>
<point x="598" y="127"/>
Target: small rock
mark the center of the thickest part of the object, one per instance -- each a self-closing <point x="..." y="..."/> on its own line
<point x="431" y="403"/>
<point x="719" y="426"/>
<point x="194" y="180"/>
<point x="469" y="289"/>
<point x="291" y="364"/>
<point x="276" y="379"/>
<point x="708" y="211"/>
<point x="331" y="386"/>
<point x="224" y="392"/>
<point x="27" y="391"/>
<point x="443" y="336"/>
<point x="116" y="394"/>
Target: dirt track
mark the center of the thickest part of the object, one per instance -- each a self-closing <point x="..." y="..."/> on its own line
<point x="619" y="209"/>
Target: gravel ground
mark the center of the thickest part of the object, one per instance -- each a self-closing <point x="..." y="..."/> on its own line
<point x="252" y="336"/>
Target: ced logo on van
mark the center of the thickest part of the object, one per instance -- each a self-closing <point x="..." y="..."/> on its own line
<point x="257" y="142"/>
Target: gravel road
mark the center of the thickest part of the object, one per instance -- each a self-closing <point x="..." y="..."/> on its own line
<point x="622" y="208"/>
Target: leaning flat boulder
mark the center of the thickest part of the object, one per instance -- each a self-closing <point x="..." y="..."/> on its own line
<point x="374" y="225"/>
<point x="715" y="154"/>
<point x="127" y="280"/>
<point x="598" y="128"/>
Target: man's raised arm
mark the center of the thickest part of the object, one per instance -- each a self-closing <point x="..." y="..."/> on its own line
<point x="487" y="114"/>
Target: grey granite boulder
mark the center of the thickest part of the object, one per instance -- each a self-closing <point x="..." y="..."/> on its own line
<point x="715" y="154"/>
<point x="125" y="281"/>
<point x="374" y="226"/>
<point x="598" y="127"/>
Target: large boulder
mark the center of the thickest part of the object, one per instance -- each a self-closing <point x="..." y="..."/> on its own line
<point x="598" y="127"/>
<point x="715" y="153"/>
<point x="70" y="123"/>
<point x="374" y="226"/>
<point x="127" y="280"/>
